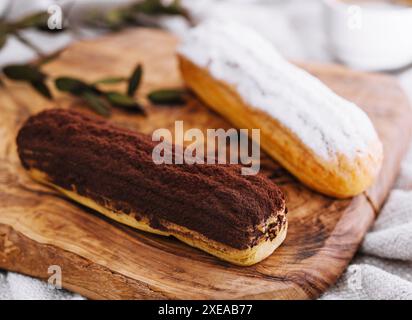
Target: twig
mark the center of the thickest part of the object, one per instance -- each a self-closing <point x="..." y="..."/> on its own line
<point x="27" y="43"/>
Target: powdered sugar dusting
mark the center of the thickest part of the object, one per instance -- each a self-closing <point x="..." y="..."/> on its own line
<point x="325" y="122"/>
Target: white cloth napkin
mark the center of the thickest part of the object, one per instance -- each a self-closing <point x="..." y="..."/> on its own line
<point x="382" y="268"/>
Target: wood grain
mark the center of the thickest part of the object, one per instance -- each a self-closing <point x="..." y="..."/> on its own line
<point x="102" y="259"/>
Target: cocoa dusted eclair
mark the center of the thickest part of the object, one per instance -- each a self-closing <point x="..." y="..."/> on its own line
<point x="240" y="219"/>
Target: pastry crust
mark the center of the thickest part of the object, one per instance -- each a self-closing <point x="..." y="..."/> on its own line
<point x="339" y="177"/>
<point x="245" y="257"/>
<point x="240" y="219"/>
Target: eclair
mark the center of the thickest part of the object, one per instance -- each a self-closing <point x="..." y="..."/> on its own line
<point x="325" y="141"/>
<point x="240" y="219"/>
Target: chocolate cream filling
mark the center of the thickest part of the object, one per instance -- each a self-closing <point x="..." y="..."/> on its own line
<point x="114" y="167"/>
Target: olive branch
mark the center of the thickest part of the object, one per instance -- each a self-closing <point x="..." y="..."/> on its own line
<point x="99" y="100"/>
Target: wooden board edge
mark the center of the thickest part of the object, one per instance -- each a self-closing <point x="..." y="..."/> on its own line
<point x="350" y="230"/>
<point x="37" y="258"/>
<point x="378" y="193"/>
<point x="19" y="253"/>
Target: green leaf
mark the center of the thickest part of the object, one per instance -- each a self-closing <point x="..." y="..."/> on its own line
<point x="167" y="96"/>
<point x="135" y="13"/>
<point x="41" y="87"/>
<point x="134" y="80"/>
<point x="89" y="93"/>
<point x="23" y="73"/>
<point x="121" y="100"/>
<point x="96" y="103"/>
<point x="36" y="20"/>
<point x="68" y="84"/>
<point x="115" y="17"/>
<point x="156" y="7"/>
<point x="113" y="80"/>
<point x="153" y="7"/>
<point x="74" y="86"/>
<point x="148" y="6"/>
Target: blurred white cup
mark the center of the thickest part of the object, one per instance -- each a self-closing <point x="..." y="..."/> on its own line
<point x="369" y="35"/>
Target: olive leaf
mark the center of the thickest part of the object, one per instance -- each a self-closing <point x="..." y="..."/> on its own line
<point x="134" y="80"/>
<point x="155" y="7"/>
<point x="31" y="74"/>
<point x="112" y="80"/>
<point x="74" y="86"/>
<point x="98" y="100"/>
<point x="136" y="14"/>
<point x="71" y="85"/>
<point x="116" y="18"/>
<point x="24" y="72"/>
<point x="36" y="20"/>
<point x="167" y="96"/>
<point x="96" y="103"/>
<point x="123" y="101"/>
<point x="89" y="93"/>
<point x="41" y="87"/>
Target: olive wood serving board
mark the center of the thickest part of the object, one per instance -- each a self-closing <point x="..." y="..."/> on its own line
<point x="103" y="259"/>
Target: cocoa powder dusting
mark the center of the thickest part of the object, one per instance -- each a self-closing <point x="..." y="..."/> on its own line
<point x="114" y="167"/>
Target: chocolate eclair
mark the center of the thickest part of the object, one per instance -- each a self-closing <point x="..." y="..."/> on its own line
<point x="240" y="219"/>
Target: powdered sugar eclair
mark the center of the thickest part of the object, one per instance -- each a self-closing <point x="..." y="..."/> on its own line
<point x="327" y="142"/>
